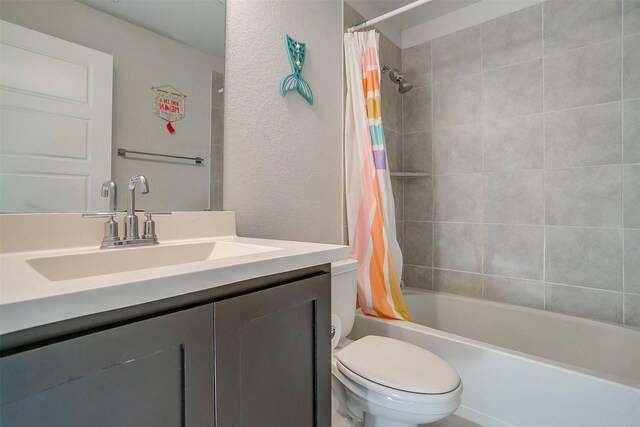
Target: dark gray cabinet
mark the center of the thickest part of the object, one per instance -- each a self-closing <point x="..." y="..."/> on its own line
<point x="258" y="358"/>
<point x="273" y="357"/>
<point x="154" y="372"/>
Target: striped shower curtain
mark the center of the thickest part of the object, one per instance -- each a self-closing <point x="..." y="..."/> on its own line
<point x="370" y="207"/>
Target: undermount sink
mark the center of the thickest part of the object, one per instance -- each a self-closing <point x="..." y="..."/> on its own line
<point x="76" y="266"/>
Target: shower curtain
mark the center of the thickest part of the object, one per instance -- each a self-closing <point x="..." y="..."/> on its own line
<point x="370" y="207"/>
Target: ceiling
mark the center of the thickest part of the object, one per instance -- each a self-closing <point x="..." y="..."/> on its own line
<point x="421" y="14"/>
<point x="196" y="23"/>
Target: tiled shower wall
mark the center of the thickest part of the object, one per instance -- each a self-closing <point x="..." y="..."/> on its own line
<point x="530" y="127"/>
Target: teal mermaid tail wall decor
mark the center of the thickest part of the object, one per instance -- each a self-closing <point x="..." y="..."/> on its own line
<point x="296" y="51"/>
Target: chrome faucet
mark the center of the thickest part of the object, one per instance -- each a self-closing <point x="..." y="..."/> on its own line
<point x="110" y="189"/>
<point x="131" y="236"/>
<point x="131" y="220"/>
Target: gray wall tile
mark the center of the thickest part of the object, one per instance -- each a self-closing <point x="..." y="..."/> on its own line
<point x="569" y="24"/>
<point x="393" y="145"/>
<point x="513" y="144"/>
<point x="458" y="246"/>
<point x="418" y="201"/>
<point x="457" y="150"/>
<point x="418" y="243"/>
<point x="590" y="257"/>
<point x="457" y="54"/>
<point x="217" y="83"/>
<point x="584" y="196"/>
<point x="397" y="186"/>
<point x="513" y="91"/>
<point x="632" y="310"/>
<point x="631" y="189"/>
<point x="581" y="77"/>
<point x="457" y="102"/>
<point x="527" y="293"/>
<point x="399" y="234"/>
<point x="417" y="277"/>
<point x="589" y="303"/>
<point x="631" y="17"/>
<point x="632" y="131"/>
<point x="416" y="110"/>
<point x="455" y="282"/>
<point x="514" y="197"/>
<point x="217" y="126"/>
<point x="631" y="68"/>
<point x="584" y="136"/>
<point x="217" y="163"/>
<point x="514" y="251"/>
<point x="513" y="38"/>
<point x="458" y="198"/>
<point x="416" y="64"/>
<point x="390" y="54"/>
<point x="216" y="196"/>
<point x="632" y="261"/>
<point x="391" y="103"/>
<point x="417" y="152"/>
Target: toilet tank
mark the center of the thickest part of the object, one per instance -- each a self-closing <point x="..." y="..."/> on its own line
<point x="344" y="277"/>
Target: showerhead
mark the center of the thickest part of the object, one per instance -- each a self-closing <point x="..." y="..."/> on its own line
<point x="397" y="77"/>
<point x="404" y="87"/>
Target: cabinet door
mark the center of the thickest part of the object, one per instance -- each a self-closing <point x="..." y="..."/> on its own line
<point x="155" y="372"/>
<point x="272" y="350"/>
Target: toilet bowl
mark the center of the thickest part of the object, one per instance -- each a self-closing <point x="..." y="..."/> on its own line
<point x="379" y="381"/>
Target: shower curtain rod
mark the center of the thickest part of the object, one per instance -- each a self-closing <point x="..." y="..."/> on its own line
<point x="388" y="15"/>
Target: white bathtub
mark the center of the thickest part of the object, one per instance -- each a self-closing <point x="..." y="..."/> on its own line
<point x="525" y="367"/>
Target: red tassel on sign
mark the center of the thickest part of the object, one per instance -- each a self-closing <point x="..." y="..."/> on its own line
<point x="170" y="128"/>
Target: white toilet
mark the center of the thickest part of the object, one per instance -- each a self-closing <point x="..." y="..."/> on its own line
<point x="379" y="381"/>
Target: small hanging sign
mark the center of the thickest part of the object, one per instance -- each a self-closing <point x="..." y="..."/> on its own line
<point x="168" y="104"/>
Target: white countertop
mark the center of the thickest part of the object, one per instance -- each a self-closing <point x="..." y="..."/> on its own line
<point x="28" y="299"/>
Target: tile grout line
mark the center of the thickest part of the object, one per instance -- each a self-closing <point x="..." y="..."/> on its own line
<point x="510" y="171"/>
<point x="482" y="119"/>
<point x="544" y="174"/>
<point x="520" y="116"/>
<point x="622" y="155"/>
<point x="505" y="224"/>
<point x="433" y="181"/>
<point x="476" y="273"/>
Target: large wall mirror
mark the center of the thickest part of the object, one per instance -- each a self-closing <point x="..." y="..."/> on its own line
<point x="179" y="43"/>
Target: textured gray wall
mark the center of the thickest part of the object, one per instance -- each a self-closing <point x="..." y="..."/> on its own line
<point x="530" y="124"/>
<point x="283" y="157"/>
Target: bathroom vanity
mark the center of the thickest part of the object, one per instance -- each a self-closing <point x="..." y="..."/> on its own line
<point x="229" y="340"/>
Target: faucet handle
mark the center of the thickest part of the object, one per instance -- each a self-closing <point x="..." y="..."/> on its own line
<point x="110" y="227"/>
<point x="150" y="225"/>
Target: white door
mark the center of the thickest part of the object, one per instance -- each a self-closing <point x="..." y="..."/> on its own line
<point x="55" y="123"/>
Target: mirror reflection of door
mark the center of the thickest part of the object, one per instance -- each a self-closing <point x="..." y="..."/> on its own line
<point x="56" y="123"/>
<point x="174" y="42"/>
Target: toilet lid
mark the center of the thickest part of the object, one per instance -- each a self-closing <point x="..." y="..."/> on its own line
<point x="398" y="365"/>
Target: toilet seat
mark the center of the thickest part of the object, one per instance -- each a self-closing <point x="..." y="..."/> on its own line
<point x="392" y="404"/>
<point x="393" y="394"/>
<point x="387" y="365"/>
